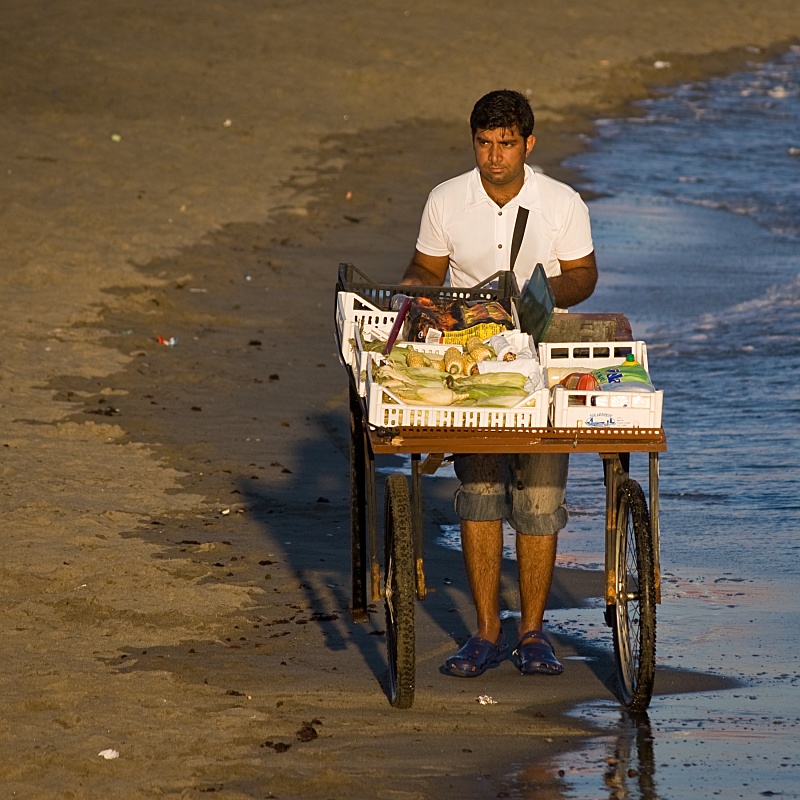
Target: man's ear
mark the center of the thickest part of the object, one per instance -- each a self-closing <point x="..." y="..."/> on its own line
<point x="529" y="144"/>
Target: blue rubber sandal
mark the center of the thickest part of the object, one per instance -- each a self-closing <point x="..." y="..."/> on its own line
<point x="536" y="657"/>
<point x="476" y="656"/>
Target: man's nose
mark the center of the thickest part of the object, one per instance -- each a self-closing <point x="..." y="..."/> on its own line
<point x="495" y="155"/>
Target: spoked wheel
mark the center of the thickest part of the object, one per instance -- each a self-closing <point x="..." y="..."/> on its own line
<point x="634" y="612"/>
<point x="400" y="591"/>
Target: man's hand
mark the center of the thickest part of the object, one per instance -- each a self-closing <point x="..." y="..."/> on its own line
<point x="576" y="281"/>
<point x="426" y="270"/>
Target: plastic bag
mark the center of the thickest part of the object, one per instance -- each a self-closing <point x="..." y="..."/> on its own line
<point x="630" y="376"/>
<point x="448" y="320"/>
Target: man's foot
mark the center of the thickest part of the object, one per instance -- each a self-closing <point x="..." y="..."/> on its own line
<point x="476" y="656"/>
<point x="535" y="655"/>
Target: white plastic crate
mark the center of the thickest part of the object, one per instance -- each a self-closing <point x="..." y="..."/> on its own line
<point x="385" y="410"/>
<point x="571" y="408"/>
<point x="353" y="311"/>
<point x="573" y="356"/>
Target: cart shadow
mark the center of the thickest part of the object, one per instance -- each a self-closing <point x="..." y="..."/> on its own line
<point x="314" y="513"/>
<point x="318" y="556"/>
<point x="307" y="520"/>
<point x="313" y="562"/>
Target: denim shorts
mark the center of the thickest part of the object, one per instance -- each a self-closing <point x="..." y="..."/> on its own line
<point x="527" y="489"/>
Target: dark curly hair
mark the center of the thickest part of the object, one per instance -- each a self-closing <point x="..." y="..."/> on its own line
<point x="503" y="108"/>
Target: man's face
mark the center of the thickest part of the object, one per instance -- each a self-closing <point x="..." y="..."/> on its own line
<point x="500" y="155"/>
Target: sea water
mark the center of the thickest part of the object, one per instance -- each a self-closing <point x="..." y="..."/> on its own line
<point x="697" y="233"/>
<point x="698" y="240"/>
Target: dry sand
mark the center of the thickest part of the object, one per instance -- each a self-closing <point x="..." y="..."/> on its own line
<point x="175" y="571"/>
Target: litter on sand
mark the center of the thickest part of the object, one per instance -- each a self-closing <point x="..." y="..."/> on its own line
<point x="109" y="754"/>
<point x="486" y="700"/>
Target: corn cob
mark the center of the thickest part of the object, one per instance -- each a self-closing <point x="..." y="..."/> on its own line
<point x="438" y="363"/>
<point x="453" y="361"/>
<point x="415" y="358"/>
<point x="481" y="352"/>
<point x="478" y="349"/>
<point x="472" y="341"/>
<point x="469" y="364"/>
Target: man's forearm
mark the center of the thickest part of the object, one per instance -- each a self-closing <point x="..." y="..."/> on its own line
<point x="573" y="286"/>
<point x="417" y="275"/>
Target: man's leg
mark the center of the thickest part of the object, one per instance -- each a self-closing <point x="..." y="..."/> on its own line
<point x="481" y="503"/>
<point x="536" y="558"/>
<point x="482" y="545"/>
<point x="539" y="512"/>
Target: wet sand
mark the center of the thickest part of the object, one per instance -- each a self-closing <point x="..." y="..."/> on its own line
<point x="176" y="571"/>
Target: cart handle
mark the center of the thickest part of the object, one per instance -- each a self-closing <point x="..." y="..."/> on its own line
<point x="401" y="315"/>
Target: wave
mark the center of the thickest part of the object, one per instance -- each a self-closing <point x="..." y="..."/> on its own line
<point x="697" y="497"/>
<point x="730" y="143"/>
<point x="766" y="324"/>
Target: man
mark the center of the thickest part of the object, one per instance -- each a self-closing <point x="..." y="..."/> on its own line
<point x="466" y="230"/>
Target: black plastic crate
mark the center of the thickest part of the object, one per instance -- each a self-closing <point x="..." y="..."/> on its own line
<point x="500" y="286"/>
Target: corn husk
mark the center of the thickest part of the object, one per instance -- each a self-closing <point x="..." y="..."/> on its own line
<point x="400" y="375"/>
<point x="514" y="380"/>
<point x="430" y="396"/>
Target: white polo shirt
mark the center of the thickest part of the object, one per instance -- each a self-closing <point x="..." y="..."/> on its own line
<point x="461" y="221"/>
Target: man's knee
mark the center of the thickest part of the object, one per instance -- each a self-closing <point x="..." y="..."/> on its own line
<point x="539" y="524"/>
<point x="539" y="494"/>
<point x="484" y="491"/>
<point x="481" y="507"/>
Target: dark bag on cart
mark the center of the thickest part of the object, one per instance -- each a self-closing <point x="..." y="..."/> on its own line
<point x="454" y="320"/>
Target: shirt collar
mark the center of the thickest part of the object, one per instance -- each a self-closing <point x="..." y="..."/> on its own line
<point x="528" y="196"/>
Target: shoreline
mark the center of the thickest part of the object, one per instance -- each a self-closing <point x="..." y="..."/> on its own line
<point x="571" y="135"/>
<point x="178" y="517"/>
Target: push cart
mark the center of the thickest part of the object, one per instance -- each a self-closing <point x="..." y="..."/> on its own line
<point x="632" y="572"/>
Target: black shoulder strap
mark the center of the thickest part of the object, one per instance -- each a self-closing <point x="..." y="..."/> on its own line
<point x="519" y="232"/>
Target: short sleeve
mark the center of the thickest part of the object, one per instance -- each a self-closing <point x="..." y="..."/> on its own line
<point x="432" y="240"/>
<point x="575" y="232"/>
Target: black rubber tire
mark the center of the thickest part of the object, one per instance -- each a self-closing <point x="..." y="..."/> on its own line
<point x="400" y="591"/>
<point x="634" y="612"/>
<point x="358" y="514"/>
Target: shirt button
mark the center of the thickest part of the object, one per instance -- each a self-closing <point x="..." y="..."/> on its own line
<point x="499" y="213"/>
<point x="500" y="246"/>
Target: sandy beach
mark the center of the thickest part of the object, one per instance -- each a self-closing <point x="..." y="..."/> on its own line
<point x="176" y="550"/>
